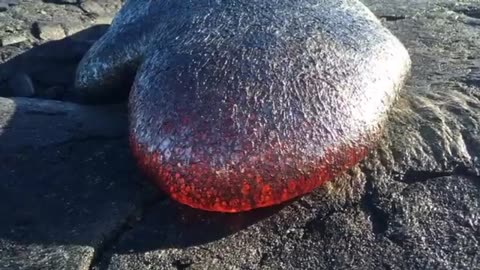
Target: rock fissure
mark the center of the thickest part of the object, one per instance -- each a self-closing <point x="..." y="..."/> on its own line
<point x="392" y="18"/>
<point x="107" y="246"/>
<point x="378" y="218"/>
<point x="412" y="176"/>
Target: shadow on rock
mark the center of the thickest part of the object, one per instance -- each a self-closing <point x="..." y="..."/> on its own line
<point x="168" y="224"/>
<point x="67" y="177"/>
<point x="48" y="70"/>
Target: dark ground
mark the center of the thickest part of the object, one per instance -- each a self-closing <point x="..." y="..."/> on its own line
<point x="72" y="198"/>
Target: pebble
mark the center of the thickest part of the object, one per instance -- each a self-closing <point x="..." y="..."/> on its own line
<point x="49" y="31"/>
<point x="21" y="86"/>
<point x="73" y="28"/>
<point x="12" y="39"/>
<point x="103" y="20"/>
<point x="92" y="7"/>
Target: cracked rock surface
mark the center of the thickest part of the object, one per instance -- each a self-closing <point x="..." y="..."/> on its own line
<point x="72" y="198"/>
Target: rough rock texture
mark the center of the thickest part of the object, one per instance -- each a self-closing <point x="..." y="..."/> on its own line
<point x="71" y="198"/>
<point x="51" y="63"/>
<point x="58" y="198"/>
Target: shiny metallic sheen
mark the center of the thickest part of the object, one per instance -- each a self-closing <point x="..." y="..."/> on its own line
<point x="240" y="104"/>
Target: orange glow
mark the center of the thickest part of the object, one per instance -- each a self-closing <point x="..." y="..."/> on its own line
<point x="199" y="186"/>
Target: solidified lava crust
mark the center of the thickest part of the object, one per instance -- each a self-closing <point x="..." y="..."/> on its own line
<point x="201" y="186"/>
<point x="238" y="105"/>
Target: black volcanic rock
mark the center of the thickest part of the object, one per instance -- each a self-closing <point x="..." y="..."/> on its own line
<point x="71" y="197"/>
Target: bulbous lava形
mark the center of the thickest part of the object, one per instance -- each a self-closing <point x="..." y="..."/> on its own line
<point x="237" y="105"/>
